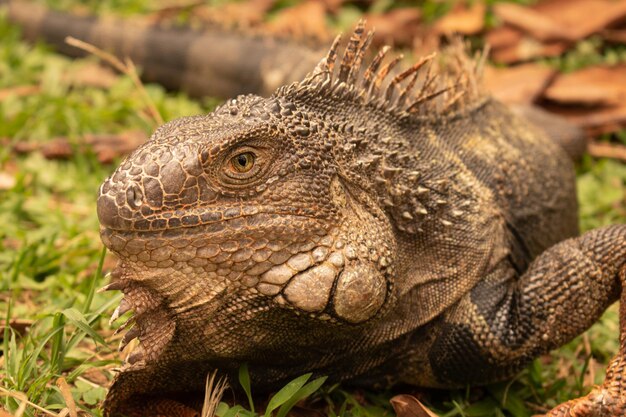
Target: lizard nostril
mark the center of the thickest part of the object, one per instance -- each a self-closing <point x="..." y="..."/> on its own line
<point x="134" y="196"/>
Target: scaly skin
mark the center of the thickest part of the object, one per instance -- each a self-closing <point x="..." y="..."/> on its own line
<point x="355" y="228"/>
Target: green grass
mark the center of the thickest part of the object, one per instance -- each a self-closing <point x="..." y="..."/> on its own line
<point x="50" y="255"/>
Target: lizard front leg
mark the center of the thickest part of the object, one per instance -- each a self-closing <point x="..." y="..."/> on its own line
<point x="508" y="319"/>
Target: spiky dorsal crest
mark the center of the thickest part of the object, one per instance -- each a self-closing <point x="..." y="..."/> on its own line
<point x="424" y="88"/>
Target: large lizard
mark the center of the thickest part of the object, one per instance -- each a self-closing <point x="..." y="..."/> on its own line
<point x="467" y="321"/>
<point x="371" y="227"/>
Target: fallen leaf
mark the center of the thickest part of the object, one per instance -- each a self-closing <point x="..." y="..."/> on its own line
<point x="550" y="27"/>
<point x="426" y="42"/>
<point x="463" y="19"/>
<point x="583" y="17"/>
<point x="397" y="27"/>
<point x="18" y="325"/>
<point x="58" y="148"/>
<point x="518" y="84"/>
<point x="614" y="35"/>
<point x="7" y="181"/>
<point x="4" y="413"/>
<point x="19" y="91"/>
<point x="503" y="37"/>
<point x="528" y="48"/>
<point x="332" y="6"/>
<point x="240" y="14"/>
<point x="67" y="396"/>
<point x="596" y="120"/>
<point x="110" y="146"/>
<point x="171" y="11"/>
<point x="592" y="86"/>
<point x="305" y="20"/>
<point x="107" y="147"/>
<point x="97" y="376"/>
<point x="607" y="150"/>
<point x="533" y="22"/>
<point x="409" y="406"/>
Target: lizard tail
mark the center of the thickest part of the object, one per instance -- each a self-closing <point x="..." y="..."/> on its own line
<point x="215" y="62"/>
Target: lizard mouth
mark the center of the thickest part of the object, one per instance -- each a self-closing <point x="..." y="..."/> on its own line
<point x="146" y="219"/>
<point x="169" y="276"/>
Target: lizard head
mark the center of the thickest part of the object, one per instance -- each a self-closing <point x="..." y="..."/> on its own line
<point x="230" y="222"/>
<point x="268" y="218"/>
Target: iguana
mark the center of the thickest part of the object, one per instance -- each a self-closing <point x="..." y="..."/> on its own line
<point x="369" y="225"/>
<point x="475" y="240"/>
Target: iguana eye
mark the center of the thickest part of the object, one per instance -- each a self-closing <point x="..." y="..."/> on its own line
<point x="243" y="162"/>
<point x="243" y="167"/>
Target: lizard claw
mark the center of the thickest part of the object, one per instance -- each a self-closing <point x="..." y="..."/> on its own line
<point x="136" y="355"/>
<point x="120" y="310"/>
<point x="130" y="335"/>
<point x="112" y="286"/>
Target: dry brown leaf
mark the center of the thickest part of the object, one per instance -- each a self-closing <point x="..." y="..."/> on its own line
<point x="583" y="17"/>
<point x="97" y="376"/>
<point x="107" y="147"/>
<point x="18" y="325"/>
<point x="593" y="86"/>
<point x="91" y="75"/>
<point x="110" y="146"/>
<point x="426" y="42"/>
<point x="528" y="48"/>
<point x="530" y="21"/>
<point x="503" y="37"/>
<point x="397" y="27"/>
<point x="171" y="10"/>
<point x="19" y="91"/>
<point x="539" y="28"/>
<point x="595" y="121"/>
<point x="4" y="413"/>
<point x="58" y="148"/>
<point x="305" y="20"/>
<point x="241" y="14"/>
<point x="607" y="150"/>
<point x="463" y="19"/>
<point x="614" y="35"/>
<point x="521" y="84"/>
<point x="332" y="6"/>
<point x="409" y="406"/>
<point x="67" y="396"/>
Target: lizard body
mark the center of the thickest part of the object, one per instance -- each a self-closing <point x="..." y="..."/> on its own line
<point x="371" y="227"/>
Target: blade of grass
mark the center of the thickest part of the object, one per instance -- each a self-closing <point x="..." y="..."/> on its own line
<point x="286" y="393"/>
<point x="92" y="284"/>
<point x="244" y="381"/>
<point x="302" y="393"/>
<point x="78" y="320"/>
